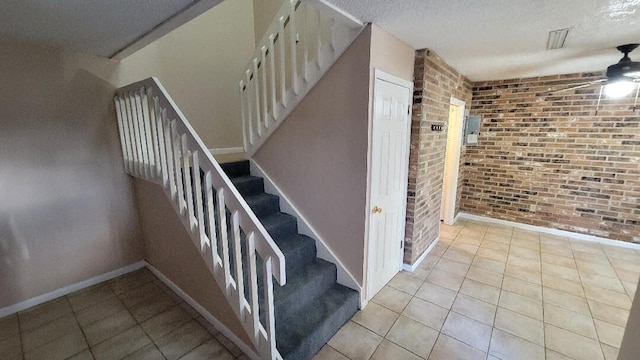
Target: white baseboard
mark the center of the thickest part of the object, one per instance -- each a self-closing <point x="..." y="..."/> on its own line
<point x="412" y="267"/>
<point x="226" y="151"/>
<point x="40" y="299"/>
<point x="205" y="314"/>
<point x="551" y="231"/>
<point x="344" y="276"/>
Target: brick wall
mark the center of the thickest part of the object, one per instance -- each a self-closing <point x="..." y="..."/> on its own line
<point x="551" y="160"/>
<point x="434" y="84"/>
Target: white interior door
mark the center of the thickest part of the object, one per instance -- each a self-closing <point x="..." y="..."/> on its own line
<point x="452" y="161"/>
<point x="388" y="181"/>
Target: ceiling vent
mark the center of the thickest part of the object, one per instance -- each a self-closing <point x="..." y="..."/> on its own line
<point x="557" y="38"/>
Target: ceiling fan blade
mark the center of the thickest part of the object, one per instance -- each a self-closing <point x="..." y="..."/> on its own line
<point x="580" y="86"/>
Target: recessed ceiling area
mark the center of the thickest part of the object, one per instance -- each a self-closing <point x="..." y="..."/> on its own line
<point x="504" y="39"/>
<point x="97" y="27"/>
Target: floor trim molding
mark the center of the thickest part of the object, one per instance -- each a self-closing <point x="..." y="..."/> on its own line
<point x="412" y="267"/>
<point x="552" y="231"/>
<point x="205" y="314"/>
<point x="40" y="299"/>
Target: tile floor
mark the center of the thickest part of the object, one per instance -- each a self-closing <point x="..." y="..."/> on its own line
<point x="134" y="316"/>
<point x="494" y="292"/>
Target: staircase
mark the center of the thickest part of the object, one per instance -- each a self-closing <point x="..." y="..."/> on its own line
<point x="311" y="307"/>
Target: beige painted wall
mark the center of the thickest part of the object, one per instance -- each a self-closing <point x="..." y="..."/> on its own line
<point x="318" y="156"/>
<point x="263" y="13"/>
<point x="169" y="248"/>
<point x="200" y="65"/>
<point x="66" y="206"/>
<point x="391" y="54"/>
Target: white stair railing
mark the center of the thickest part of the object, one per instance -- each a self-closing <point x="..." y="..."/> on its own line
<point x="303" y="41"/>
<point x="159" y="145"/>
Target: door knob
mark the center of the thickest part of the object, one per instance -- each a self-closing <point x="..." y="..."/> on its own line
<point x="377" y="210"/>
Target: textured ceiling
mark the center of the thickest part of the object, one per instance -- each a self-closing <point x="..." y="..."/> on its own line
<point x="98" y="27"/>
<point x="501" y="39"/>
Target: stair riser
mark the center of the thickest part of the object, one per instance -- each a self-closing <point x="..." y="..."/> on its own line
<point x="265" y="207"/>
<point x="305" y="294"/>
<point x="283" y="228"/>
<point x="251" y="187"/>
<point x="236" y="169"/>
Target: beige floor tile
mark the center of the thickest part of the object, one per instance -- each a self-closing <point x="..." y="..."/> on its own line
<point x="110" y="326"/>
<point x="475" y="309"/>
<point x="458" y="255"/>
<point x="608" y="313"/>
<point x="474" y="240"/>
<point x="569" y="320"/>
<point x="521" y="304"/>
<point x="480" y="291"/>
<point x="592" y="280"/>
<point x="489" y="264"/>
<point x="624" y="264"/>
<point x="506" y="346"/>
<point x="631" y="288"/>
<point x="9" y="327"/>
<point x="128" y="282"/>
<point x="388" y="350"/>
<point x="448" y="348"/>
<point x="211" y="349"/>
<point x="149" y="352"/>
<point x="413" y="336"/>
<point x="524" y="252"/>
<point x="444" y="279"/>
<point x="523" y="262"/>
<point x="391" y="298"/>
<point x="556" y="250"/>
<point x="438" y="250"/>
<point x="136" y="296"/>
<point x="628" y="275"/>
<point x="62" y="347"/>
<point x="588" y="257"/>
<point x="565" y="300"/>
<point x="608" y="297"/>
<point x="523" y="326"/>
<point x="182" y="340"/>
<point x="610" y="352"/>
<point x="99" y="311"/>
<point x="403" y="281"/>
<point x="503" y="238"/>
<point x="494" y="254"/>
<point x="420" y="273"/>
<point x="426" y="313"/>
<point x="489" y="243"/>
<point x="561" y="284"/>
<point x="436" y="294"/>
<point x="452" y="267"/>
<point x="485" y="276"/>
<point x="229" y="345"/>
<point x="163" y="323"/>
<point x="121" y="345"/>
<point x="82" y="299"/>
<point x="521" y="287"/>
<point x="560" y="271"/>
<point x="52" y="330"/>
<point x="468" y="331"/>
<point x="84" y="355"/>
<point x="558" y="260"/>
<point x="523" y="274"/>
<point x="609" y="334"/>
<point x="571" y="344"/>
<point x="329" y="353"/>
<point x="588" y="247"/>
<point x="376" y="318"/>
<point x="10" y="347"/>
<point x="526" y="234"/>
<point x="44" y="313"/>
<point x="151" y="307"/>
<point x="596" y="269"/>
<point x="355" y="341"/>
<point x="552" y="355"/>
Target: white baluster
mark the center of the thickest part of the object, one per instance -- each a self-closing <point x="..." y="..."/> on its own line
<point x="237" y="253"/>
<point x="305" y="42"/>
<point x="171" y="167"/>
<point x="256" y="84"/>
<point x="265" y="103"/>
<point x="177" y="161"/>
<point x="136" y="135"/>
<point x="127" y="133"/>
<point x="163" y="168"/>
<point x="293" y="32"/>
<point x="272" y="76"/>
<point x="142" y="133"/>
<point x="253" y="283"/>
<point x="208" y="194"/>
<point x="243" y="114"/>
<point x="146" y="119"/>
<point x="224" y="240"/>
<point x="249" y="107"/>
<point x="269" y="309"/>
<point x="154" y="134"/>
<point x="332" y="36"/>
<point x="283" y="57"/>
<point x="123" y="142"/>
<point x="188" y="188"/>
<point x="319" y="39"/>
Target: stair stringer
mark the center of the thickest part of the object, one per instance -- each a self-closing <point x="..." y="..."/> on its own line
<point x="344" y="276"/>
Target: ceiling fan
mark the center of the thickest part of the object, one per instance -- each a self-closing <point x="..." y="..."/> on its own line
<point x="621" y="78"/>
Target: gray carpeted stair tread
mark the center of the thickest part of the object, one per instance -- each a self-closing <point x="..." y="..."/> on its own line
<point x="263" y="204"/>
<point x="303" y="333"/>
<point x="280" y="225"/>
<point x="248" y="185"/>
<point x="236" y="169"/>
<point x="298" y="250"/>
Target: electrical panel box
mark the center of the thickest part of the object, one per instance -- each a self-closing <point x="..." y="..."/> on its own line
<point x="472" y="129"/>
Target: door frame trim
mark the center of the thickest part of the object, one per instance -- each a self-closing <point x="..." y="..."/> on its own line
<point x="377" y="75"/>
<point x="450" y="213"/>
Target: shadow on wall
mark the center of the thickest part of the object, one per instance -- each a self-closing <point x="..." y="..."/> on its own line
<point x="66" y="206"/>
